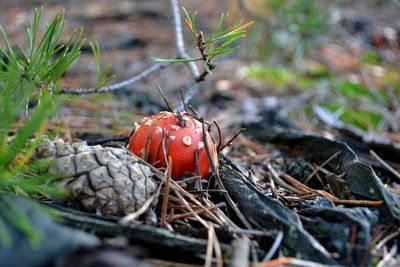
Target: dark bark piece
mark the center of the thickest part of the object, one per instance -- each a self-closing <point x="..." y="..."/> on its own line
<point x="56" y="240"/>
<point x="105" y="256"/>
<point x="335" y="228"/>
<point x="161" y="243"/>
<point x="268" y="214"/>
<point x="361" y="179"/>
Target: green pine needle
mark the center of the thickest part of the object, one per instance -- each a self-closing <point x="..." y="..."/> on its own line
<point x="103" y="75"/>
<point x="25" y="75"/>
<point x="219" y="43"/>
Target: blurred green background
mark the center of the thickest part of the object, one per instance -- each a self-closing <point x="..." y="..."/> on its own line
<point x="340" y="55"/>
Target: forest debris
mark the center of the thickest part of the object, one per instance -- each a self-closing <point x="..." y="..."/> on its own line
<point x="334" y="199"/>
<point x="385" y="240"/>
<point x="241" y="252"/>
<point x="288" y="261"/>
<point x="361" y="180"/>
<point x="267" y="214"/>
<point x="320" y="167"/>
<point x="46" y="240"/>
<point x="106" y="255"/>
<point x="210" y="246"/>
<point x="275" y="246"/>
<point x="166" y="193"/>
<point x="164" y="243"/>
<point x="197" y="211"/>
<point x="344" y="231"/>
<point x="104" y="179"/>
<point x="387" y="166"/>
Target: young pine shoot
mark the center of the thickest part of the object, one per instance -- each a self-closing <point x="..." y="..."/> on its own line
<point x="222" y="40"/>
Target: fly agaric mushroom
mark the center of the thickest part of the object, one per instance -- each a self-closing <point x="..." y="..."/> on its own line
<point x="181" y="136"/>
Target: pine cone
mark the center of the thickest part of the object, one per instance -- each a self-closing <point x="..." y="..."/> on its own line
<point x="104" y="179"/>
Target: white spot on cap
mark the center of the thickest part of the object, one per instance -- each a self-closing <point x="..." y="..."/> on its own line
<point x="172" y="137"/>
<point x="197" y="130"/>
<point x="187" y="140"/>
<point x="159" y="129"/>
<point x="149" y="122"/>
<point x="175" y="127"/>
<point x="164" y="115"/>
<point x="200" y="145"/>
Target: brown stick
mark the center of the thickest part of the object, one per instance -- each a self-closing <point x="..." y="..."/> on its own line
<point x="334" y="199"/>
<point x="217" y="250"/>
<point x="210" y="242"/>
<point x="117" y="86"/>
<point x="287" y="261"/>
<point x="321" y="166"/>
<point x="230" y="141"/>
<point x="218" y="178"/>
<point x="197" y="211"/>
<point x="387" y="166"/>
<point x="166" y="193"/>
<point x="175" y="186"/>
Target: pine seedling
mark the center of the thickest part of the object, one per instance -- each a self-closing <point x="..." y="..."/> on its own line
<point x="222" y="41"/>
<point x="29" y="75"/>
<point x="103" y="76"/>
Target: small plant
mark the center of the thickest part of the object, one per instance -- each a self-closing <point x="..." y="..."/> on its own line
<point x="29" y="76"/>
<point x="32" y="76"/>
<point x="219" y="43"/>
<point x="102" y="74"/>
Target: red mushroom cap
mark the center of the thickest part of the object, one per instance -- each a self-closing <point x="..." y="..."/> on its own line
<point x="182" y="137"/>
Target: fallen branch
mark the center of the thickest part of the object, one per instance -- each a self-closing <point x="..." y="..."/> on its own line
<point x="287" y="261"/>
<point x="117" y="86"/>
<point x="179" y="43"/>
<point x="384" y="164"/>
<point x="181" y="54"/>
<point x="334" y="199"/>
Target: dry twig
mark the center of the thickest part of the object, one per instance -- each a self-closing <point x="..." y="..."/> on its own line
<point x="182" y="192"/>
<point x="195" y="215"/>
<point x="117" y="86"/>
<point x="387" y="166"/>
<point x="306" y="189"/>
<point x="274" y="247"/>
<point x="219" y="181"/>
<point x="166" y="193"/>
<point x="179" y="43"/>
<point x="217" y="250"/>
<point x="181" y="54"/>
<point x="387" y="239"/>
<point x="198" y="211"/>
<point x="321" y="166"/>
<point x="133" y="216"/>
<point x="210" y="245"/>
<point x="287" y="261"/>
<point x="241" y="252"/>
